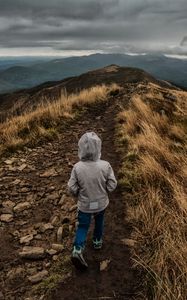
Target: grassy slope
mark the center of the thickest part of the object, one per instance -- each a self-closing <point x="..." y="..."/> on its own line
<point x="44" y="122"/>
<point x="154" y="177"/>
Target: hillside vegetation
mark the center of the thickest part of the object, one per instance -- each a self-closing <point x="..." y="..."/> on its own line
<point x="43" y="122"/>
<point x="154" y="179"/>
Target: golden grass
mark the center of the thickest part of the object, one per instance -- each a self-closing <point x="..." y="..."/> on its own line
<point x="157" y="176"/>
<point x="44" y="120"/>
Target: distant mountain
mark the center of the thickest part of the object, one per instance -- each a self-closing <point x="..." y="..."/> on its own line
<point x="34" y="73"/>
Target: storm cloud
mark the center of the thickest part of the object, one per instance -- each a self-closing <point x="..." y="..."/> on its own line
<point x="59" y="26"/>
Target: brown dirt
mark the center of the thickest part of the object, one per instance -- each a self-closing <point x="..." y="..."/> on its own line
<point x="119" y="280"/>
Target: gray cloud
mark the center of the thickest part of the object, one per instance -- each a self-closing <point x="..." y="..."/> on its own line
<point x="107" y="25"/>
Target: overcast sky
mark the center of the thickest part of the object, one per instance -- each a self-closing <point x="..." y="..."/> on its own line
<point x="77" y="27"/>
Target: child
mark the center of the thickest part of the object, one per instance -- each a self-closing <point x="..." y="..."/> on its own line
<point x="91" y="179"/>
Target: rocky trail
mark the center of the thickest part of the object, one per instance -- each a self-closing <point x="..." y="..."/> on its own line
<point x="38" y="219"/>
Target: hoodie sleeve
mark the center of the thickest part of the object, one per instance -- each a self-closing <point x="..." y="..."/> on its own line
<point x="73" y="186"/>
<point x="111" y="180"/>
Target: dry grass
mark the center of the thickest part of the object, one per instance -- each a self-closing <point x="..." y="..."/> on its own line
<point x="157" y="175"/>
<point x="44" y="120"/>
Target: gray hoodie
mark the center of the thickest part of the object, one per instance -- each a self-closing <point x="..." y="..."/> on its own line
<point x="91" y="178"/>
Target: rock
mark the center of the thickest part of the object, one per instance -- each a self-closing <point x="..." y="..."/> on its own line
<point x="47" y="265"/>
<point x="16" y="181"/>
<point x="9" y="161"/>
<point x="45" y="227"/>
<point x="25" y="190"/>
<point x="57" y="247"/>
<point x="30" y="167"/>
<point x="73" y="207"/>
<point x="32" y="252"/>
<point x="51" y="252"/>
<point x="54" y="196"/>
<point x="54" y="220"/>
<point x="51" y="172"/>
<point x="8" y="204"/>
<point x="62" y="200"/>
<point x="70" y="228"/>
<point x="38" y="277"/>
<point x="59" y="234"/>
<point x="6" y="218"/>
<point x="26" y="239"/>
<point x="22" y="167"/>
<point x="38" y="237"/>
<point x="104" y="264"/>
<point x="23" y="160"/>
<point x="7" y="207"/>
<point x="55" y="257"/>
<point x="128" y="242"/>
<point x="21" y="206"/>
<point x="15" y="233"/>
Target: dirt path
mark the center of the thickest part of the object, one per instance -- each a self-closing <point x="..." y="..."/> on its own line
<point x="117" y="281"/>
<point x="44" y="191"/>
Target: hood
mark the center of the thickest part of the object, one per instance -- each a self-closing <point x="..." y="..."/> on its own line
<point x="89" y="147"/>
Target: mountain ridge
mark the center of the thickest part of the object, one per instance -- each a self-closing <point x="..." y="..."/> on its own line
<point x="160" y="66"/>
<point x="52" y="90"/>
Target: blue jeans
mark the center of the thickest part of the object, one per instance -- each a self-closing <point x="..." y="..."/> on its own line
<point x="84" y="220"/>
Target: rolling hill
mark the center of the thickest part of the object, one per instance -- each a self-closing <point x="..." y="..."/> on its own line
<point x="25" y="76"/>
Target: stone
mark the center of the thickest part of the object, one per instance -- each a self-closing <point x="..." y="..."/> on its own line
<point x="54" y="196"/>
<point x="6" y="218"/>
<point x="44" y="227"/>
<point x="104" y="264"/>
<point x="16" y="181"/>
<point x="16" y="233"/>
<point x="32" y="252"/>
<point x="57" y="247"/>
<point x="70" y="228"/>
<point x="73" y="208"/>
<point x="128" y="242"/>
<point x="8" y="204"/>
<point x="54" y="220"/>
<point x="38" y="237"/>
<point x="59" y="234"/>
<point x="26" y="239"/>
<point x="25" y="190"/>
<point x="22" y="167"/>
<point x="49" y="173"/>
<point x="9" y="161"/>
<point x="55" y="257"/>
<point x="51" y="252"/>
<point x="23" y="160"/>
<point x="38" y="277"/>
<point x="62" y="200"/>
<point x="21" y="206"/>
